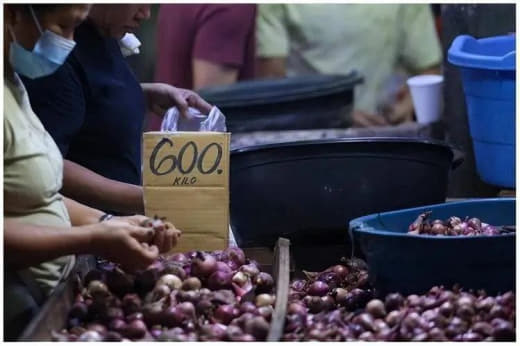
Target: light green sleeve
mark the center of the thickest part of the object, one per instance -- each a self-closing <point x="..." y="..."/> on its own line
<point x="272" y="36"/>
<point x="420" y="46"/>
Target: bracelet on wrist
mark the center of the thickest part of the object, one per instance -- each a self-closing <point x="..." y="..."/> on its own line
<point x="105" y="217"/>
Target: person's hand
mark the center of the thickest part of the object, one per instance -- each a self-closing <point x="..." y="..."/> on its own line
<point x="364" y="119"/>
<point x="124" y="243"/>
<point x="165" y="234"/>
<point x="402" y="110"/>
<point x="161" y="97"/>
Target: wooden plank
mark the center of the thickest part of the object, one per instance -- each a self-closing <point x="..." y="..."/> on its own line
<point x="281" y="272"/>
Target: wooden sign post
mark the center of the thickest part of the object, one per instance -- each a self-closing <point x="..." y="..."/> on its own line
<point x="186" y="180"/>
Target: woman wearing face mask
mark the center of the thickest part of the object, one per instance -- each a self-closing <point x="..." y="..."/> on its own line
<point x="94" y="108"/>
<point x="41" y="227"/>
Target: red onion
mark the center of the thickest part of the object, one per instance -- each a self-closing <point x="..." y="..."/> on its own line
<point x="98" y="290"/>
<point x="119" y="282"/>
<point x="203" y="265"/>
<point x="175" y="269"/>
<point x="191" y="283"/>
<point x="376" y="308"/>
<point x="145" y="280"/>
<point x="297" y="308"/>
<point x="188" y="296"/>
<point x="240" y="278"/>
<point x="266" y="312"/>
<point x="134" y="316"/>
<point x="219" y="280"/>
<point x="257" y="327"/>
<point x="79" y="311"/>
<point x="188" y="309"/>
<point x="328" y="303"/>
<point x="92" y="275"/>
<point x="101" y="329"/>
<point x="172" y="317"/>
<point x="340" y="295"/>
<point x="90" y="335"/>
<point x="298" y="285"/>
<point x="318" y="288"/>
<point x="170" y="280"/>
<point x="204" y="306"/>
<point x="159" y="291"/>
<point x="223" y="267"/>
<point x="156" y="331"/>
<point x="117" y="324"/>
<point x="264" y="283"/>
<point x="249" y="269"/>
<point x="247" y="307"/>
<point x="264" y="299"/>
<point x="152" y="313"/>
<point x="114" y="313"/>
<point x="226" y="313"/>
<point x="131" y="303"/>
<point x="341" y="271"/>
<point x="216" y="331"/>
<point x="135" y="330"/>
<point x="236" y="255"/>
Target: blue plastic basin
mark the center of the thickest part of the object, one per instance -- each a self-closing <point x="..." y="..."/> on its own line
<point x="399" y="262"/>
<point x="488" y="75"/>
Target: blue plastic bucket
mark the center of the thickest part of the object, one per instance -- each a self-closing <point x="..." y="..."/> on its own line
<point x="400" y="262"/>
<point x="488" y="75"/>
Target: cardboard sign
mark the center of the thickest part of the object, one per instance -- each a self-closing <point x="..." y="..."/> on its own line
<point x="186" y="180"/>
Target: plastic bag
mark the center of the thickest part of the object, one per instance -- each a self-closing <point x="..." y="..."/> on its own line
<point x="215" y="121"/>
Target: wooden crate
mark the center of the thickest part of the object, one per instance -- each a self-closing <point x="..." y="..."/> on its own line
<point x="53" y="315"/>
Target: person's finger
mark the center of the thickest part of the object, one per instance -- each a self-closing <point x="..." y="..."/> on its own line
<point x="176" y="236"/>
<point x="197" y="102"/>
<point x="170" y="239"/>
<point x="137" y="220"/>
<point x="142" y="234"/>
<point x="180" y="102"/>
<point x="159" y="239"/>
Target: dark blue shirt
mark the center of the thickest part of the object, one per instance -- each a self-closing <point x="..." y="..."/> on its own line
<point x="94" y="107"/>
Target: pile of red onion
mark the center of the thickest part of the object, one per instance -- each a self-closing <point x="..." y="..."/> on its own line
<point x="453" y="226"/>
<point x="338" y="305"/>
<point x="196" y="296"/>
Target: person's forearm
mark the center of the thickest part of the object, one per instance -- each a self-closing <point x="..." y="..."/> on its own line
<point x="207" y="74"/>
<point x="270" y="67"/>
<point x="81" y="214"/>
<point x="90" y="188"/>
<point x="26" y="244"/>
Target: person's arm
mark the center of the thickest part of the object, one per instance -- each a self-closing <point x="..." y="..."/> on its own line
<point x="270" y="67"/>
<point x="88" y="187"/>
<point x="207" y="73"/>
<point x="124" y="243"/>
<point x="82" y="215"/>
<point x="272" y="40"/>
<point x="219" y="51"/>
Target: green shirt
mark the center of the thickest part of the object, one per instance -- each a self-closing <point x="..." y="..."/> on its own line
<point x="33" y="172"/>
<point x="374" y="39"/>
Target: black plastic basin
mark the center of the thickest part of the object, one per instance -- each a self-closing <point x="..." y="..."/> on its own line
<point x="306" y="191"/>
<point x="303" y="102"/>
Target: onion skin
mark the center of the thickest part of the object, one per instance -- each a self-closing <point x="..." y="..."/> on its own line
<point x="219" y="280"/>
<point x="318" y="288"/>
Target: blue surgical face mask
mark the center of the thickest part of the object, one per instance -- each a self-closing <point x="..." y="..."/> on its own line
<point x="49" y="53"/>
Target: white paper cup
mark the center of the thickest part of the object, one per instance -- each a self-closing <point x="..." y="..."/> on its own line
<point x="426" y="93"/>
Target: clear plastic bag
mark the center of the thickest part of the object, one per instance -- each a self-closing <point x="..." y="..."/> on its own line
<point x="215" y="121"/>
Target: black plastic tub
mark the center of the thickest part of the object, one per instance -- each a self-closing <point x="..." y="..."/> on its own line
<point x="303" y="102"/>
<point x="305" y="191"/>
<point x="399" y="262"/>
